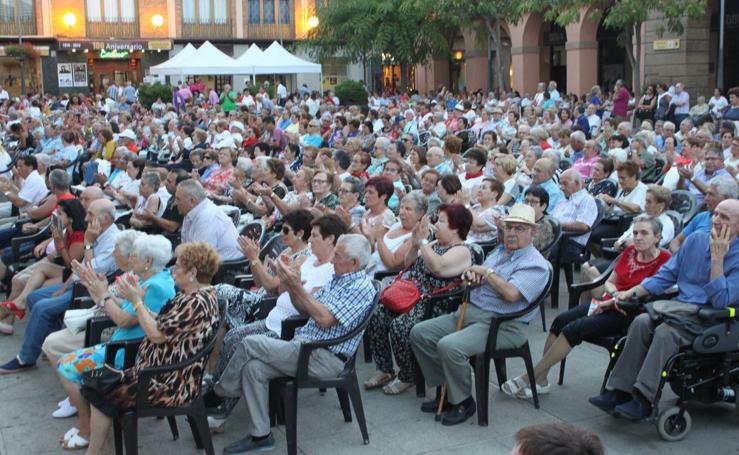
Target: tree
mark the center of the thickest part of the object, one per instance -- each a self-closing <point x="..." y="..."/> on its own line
<point x="626" y="16"/>
<point x="486" y="18"/>
<point x="362" y="30"/>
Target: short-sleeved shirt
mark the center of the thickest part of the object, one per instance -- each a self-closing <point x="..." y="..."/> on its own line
<point x="160" y="289"/>
<point x="631" y="272"/>
<point x="636" y="196"/>
<point x="525" y="268"/>
<point x="578" y="208"/>
<point x="348" y="297"/>
<point x="33" y="190"/>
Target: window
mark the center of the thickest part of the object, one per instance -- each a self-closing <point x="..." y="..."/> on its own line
<point x="284" y="11"/>
<point x="268" y="14"/>
<point x="205" y="11"/>
<point x="254" y="12"/>
<point x="111" y="10"/>
<point x="7" y="9"/>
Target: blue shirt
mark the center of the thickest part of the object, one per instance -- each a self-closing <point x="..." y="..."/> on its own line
<point x="690" y="269"/>
<point x="525" y="268"/>
<point x="160" y="290"/>
<point x="348" y="297"/>
<point x="700" y="174"/>
<point x="313" y="139"/>
<point x="700" y="223"/>
<point x="555" y="194"/>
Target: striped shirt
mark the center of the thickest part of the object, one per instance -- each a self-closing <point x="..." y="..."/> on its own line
<point x="525" y="268"/>
<point x="348" y="297"/>
<point x="578" y="208"/>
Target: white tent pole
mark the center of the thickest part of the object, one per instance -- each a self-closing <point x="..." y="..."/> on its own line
<point x="321" y="81"/>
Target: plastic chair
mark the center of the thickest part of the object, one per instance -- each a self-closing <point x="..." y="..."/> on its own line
<point x="482" y="362"/>
<point x="125" y="427"/>
<point x="685" y="203"/>
<point x="345" y="383"/>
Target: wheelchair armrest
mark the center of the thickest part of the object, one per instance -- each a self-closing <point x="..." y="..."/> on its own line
<point x="718" y="314"/>
<point x="291" y="324"/>
<point x="95" y="327"/>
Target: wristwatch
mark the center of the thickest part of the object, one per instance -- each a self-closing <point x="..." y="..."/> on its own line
<point x="88" y="246"/>
<point x="488" y="273"/>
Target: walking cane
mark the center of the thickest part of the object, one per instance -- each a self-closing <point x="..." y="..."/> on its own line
<point x="460" y="323"/>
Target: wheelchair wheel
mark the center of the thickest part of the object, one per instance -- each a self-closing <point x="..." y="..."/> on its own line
<point x="671" y="426"/>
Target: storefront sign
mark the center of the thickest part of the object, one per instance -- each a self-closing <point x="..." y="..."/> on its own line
<point x="72" y="74"/>
<point x="129" y="46"/>
<point x="104" y="53"/>
<point x="666" y="44"/>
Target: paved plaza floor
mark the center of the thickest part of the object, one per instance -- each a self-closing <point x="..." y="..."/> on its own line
<point x="396" y="425"/>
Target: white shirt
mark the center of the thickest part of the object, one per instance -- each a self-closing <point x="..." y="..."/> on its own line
<point x="312" y="277"/>
<point x="207" y="223"/>
<point x="281" y="91"/>
<point x="668" y="231"/>
<point x="580" y="207"/>
<point x="636" y="196"/>
<point x="32" y="190"/>
<point x="4" y="95"/>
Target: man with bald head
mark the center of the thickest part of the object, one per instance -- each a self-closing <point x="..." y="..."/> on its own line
<point x="706" y="272"/>
<point x="544" y="170"/>
<point x="576" y="212"/>
<point x="49" y="303"/>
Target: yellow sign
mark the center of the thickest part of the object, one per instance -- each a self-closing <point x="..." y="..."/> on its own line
<point x="666" y="44"/>
<point x="163" y="45"/>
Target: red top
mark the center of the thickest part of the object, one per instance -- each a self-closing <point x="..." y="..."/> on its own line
<point x="630" y="272"/>
<point x="74" y="237"/>
<point x="63" y="197"/>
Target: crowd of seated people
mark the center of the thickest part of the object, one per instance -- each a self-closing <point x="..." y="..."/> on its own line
<point x="95" y="213"/>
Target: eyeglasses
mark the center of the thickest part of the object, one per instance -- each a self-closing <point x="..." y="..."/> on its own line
<point x="519" y="228"/>
<point x="530" y="201"/>
<point x="344" y="190"/>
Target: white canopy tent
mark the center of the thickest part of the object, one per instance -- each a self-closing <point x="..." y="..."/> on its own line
<point x="277" y="60"/>
<point x="247" y="62"/>
<point x="206" y="60"/>
<point x="173" y="66"/>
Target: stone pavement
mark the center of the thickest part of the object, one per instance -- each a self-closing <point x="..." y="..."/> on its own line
<point x="396" y="426"/>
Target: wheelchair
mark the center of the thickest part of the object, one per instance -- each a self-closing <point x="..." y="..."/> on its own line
<point x="706" y="371"/>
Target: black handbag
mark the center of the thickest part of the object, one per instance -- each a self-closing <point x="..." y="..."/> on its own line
<point x="103" y="379"/>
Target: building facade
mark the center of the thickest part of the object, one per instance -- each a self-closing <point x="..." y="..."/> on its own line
<point x="585" y="53"/>
<point x="84" y="45"/>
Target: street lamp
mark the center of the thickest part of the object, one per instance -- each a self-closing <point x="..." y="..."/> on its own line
<point x="313" y="22"/>
<point x="69" y="20"/>
<point x="157" y="20"/>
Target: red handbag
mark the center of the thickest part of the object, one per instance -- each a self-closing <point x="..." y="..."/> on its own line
<point x="402" y="295"/>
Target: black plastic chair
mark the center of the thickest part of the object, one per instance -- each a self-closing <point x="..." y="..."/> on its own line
<point x="677" y="220"/>
<point x="22" y="259"/>
<point x="254" y="231"/>
<point x="499" y="356"/>
<point x="125" y="427"/>
<point x="569" y="265"/>
<point x="228" y="270"/>
<point x="685" y="203"/>
<point x="557" y="230"/>
<point x="607" y="343"/>
<point x="345" y="383"/>
<point x="271" y="249"/>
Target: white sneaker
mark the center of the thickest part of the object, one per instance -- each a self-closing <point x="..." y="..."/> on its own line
<point x="65" y="410"/>
<point x="6" y="329"/>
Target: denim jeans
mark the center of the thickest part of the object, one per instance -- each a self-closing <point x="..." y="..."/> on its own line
<point x="7" y="234"/>
<point x="46" y="312"/>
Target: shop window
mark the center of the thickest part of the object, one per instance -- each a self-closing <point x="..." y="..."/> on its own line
<point x="111" y="10"/>
<point x="284" y="11"/>
<point x="205" y="11"/>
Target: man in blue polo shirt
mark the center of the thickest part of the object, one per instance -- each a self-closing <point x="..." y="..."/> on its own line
<point x="719" y="189"/>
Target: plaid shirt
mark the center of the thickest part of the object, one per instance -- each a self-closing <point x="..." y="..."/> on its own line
<point x="348" y="297"/>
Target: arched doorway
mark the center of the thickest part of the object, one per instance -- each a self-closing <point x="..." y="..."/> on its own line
<point x="457" y="70"/>
<point x="731" y="42"/>
<point x="613" y="64"/>
<point x="554" y="40"/>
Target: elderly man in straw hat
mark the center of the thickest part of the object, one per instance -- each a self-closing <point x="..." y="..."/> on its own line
<point x="511" y="278"/>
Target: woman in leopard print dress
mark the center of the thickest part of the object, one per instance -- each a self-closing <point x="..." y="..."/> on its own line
<point x="182" y="329"/>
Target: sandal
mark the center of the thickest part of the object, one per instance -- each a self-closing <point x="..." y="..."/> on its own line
<point x="396" y="387"/>
<point x="10" y="307"/>
<point x="76" y="442"/>
<point x="378" y="380"/>
<point x="68" y="435"/>
<point x="527" y="394"/>
<point x="512" y="386"/>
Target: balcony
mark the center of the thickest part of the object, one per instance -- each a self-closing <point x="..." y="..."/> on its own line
<point x="269" y="31"/>
<point x="123" y="28"/>
<point x="216" y="29"/>
<point x="27" y="26"/>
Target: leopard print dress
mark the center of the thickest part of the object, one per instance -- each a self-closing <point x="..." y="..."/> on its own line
<point x="188" y="322"/>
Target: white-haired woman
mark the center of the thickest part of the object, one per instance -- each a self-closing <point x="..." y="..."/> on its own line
<point x="146" y="256"/>
<point x="148" y="200"/>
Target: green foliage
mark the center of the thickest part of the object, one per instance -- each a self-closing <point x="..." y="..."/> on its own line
<point x="351" y="92"/>
<point x="361" y="29"/>
<point x="21" y="51"/>
<point x="148" y="93"/>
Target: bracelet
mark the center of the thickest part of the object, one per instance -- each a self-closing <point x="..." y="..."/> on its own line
<point x="137" y="305"/>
